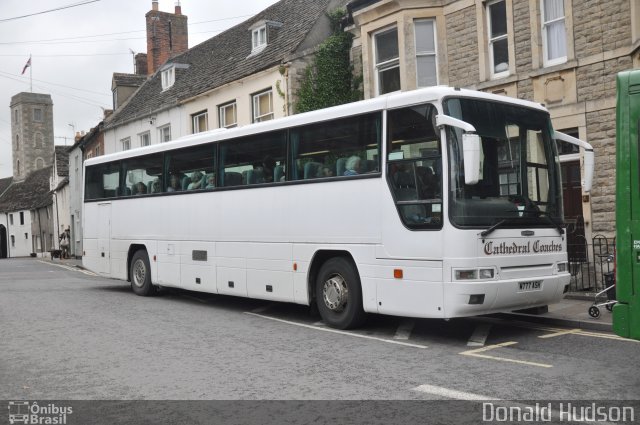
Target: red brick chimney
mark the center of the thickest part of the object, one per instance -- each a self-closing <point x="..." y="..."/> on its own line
<point x="141" y="64"/>
<point x="167" y="36"/>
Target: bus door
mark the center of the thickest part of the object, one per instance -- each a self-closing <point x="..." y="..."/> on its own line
<point x="104" y="238"/>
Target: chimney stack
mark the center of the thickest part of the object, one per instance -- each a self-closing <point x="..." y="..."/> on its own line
<point x="167" y="36"/>
<point x="141" y="64"/>
<point x="154" y="5"/>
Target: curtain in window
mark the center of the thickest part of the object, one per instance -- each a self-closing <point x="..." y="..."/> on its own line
<point x="554" y="27"/>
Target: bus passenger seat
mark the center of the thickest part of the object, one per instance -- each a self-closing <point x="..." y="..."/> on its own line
<point x="311" y="170"/>
<point x="232" y="178"/>
<point x="185" y="182"/>
<point x="405" y="186"/>
<point x="341" y="166"/>
<point x="278" y="173"/>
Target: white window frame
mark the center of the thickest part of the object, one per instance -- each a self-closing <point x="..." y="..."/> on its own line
<point x="222" y="114"/>
<point x="195" y="122"/>
<point x="125" y="144"/>
<point x="258" y="116"/>
<point x="387" y="65"/>
<point x="490" y="40"/>
<point x="434" y="53"/>
<point x="168" y="78"/>
<point x="164" y="133"/>
<point x="259" y="38"/>
<point x="545" y="45"/>
<point x="145" y="138"/>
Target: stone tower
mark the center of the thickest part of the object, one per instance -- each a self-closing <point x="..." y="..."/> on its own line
<point x="31" y="133"/>
<point x="167" y="35"/>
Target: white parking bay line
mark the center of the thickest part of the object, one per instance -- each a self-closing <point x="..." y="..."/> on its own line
<point x="479" y="336"/>
<point x="404" y="330"/>
<point x="336" y="331"/>
<point x="453" y="394"/>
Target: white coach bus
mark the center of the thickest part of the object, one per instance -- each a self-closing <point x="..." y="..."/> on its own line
<point x="438" y="203"/>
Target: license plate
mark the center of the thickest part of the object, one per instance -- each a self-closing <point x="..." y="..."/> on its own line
<point x="534" y="285"/>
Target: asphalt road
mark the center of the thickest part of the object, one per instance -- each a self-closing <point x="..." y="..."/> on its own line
<point x="68" y="335"/>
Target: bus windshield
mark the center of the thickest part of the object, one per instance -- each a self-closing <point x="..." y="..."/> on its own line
<point x="519" y="174"/>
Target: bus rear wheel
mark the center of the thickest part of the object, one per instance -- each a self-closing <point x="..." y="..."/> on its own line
<point x="140" y="273"/>
<point x="339" y="294"/>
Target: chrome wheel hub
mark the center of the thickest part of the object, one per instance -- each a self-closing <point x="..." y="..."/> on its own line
<point x="335" y="293"/>
<point x="139" y="273"/>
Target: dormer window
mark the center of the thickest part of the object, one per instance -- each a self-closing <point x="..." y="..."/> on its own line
<point x="259" y="38"/>
<point x="168" y="78"/>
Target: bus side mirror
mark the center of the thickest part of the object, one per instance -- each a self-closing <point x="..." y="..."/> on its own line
<point x="471" y="151"/>
<point x="589" y="165"/>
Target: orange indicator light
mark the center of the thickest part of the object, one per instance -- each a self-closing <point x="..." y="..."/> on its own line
<point x="295" y="267"/>
<point x="397" y="273"/>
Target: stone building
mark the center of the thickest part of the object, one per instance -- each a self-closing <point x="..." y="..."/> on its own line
<point x="562" y="53"/>
<point x="30" y="201"/>
<point x="31" y="133"/>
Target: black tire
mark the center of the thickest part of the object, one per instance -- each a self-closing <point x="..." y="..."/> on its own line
<point x="140" y="273"/>
<point x="339" y="294"/>
<point x="610" y="307"/>
<point x="594" y="312"/>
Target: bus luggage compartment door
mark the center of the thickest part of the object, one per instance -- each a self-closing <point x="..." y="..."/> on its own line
<point x="104" y="235"/>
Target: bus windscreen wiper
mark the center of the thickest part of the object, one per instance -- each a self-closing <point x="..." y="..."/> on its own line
<point x="497" y="224"/>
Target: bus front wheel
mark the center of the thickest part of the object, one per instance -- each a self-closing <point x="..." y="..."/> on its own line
<point x="339" y="294"/>
<point x="140" y="273"/>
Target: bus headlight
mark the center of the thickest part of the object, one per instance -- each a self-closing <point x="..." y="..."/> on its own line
<point x="466" y="274"/>
<point x="486" y="273"/>
<point x="562" y="267"/>
<point x="474" y="274"/>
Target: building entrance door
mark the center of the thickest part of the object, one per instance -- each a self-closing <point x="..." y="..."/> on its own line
<point x="3" y="241"/>
<point x="572" y="203"/>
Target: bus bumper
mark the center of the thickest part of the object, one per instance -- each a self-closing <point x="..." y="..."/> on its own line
<point x="473" y="298"/>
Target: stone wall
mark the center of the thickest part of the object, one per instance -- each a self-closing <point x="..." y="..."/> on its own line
<point x="522" y="35"/>
<point x="462" y="46"/>
<point x="601" y="131"/>
<point x="601" y="26"/>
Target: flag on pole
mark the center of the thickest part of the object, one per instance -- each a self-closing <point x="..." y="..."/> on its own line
<point x="27" y="65"/>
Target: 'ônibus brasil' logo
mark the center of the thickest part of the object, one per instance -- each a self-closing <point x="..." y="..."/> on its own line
<point x="506" y="248"/>
<point x="25" y="412"/>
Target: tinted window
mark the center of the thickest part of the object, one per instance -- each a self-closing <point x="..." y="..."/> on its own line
<point x="102" y="181"/>
<point x="142" y="175"/>
<point x="253" y="160"/>
<point x="415" y="166"/>
<point x="344" y="147"/>
<point x="191" y="168"/>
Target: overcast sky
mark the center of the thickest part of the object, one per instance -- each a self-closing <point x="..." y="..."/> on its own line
<point x="76" y="50"/>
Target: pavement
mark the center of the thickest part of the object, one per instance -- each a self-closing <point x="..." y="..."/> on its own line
<point x="570" y="312"/>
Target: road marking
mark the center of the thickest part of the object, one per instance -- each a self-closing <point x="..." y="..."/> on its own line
<point x="560" y="333"/>
<point x="404" y="330"/>
<point x="70" y="268"/>
<point x="336" y="331"/>
<point x="449" y="393"/>
<point x="477" y="351"/>
<point x="479" y="336"/>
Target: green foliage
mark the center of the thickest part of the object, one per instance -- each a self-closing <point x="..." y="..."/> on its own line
<point x="329" y="80"/>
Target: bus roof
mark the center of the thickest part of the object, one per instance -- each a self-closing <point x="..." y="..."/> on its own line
<point x="390" y="101"/>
